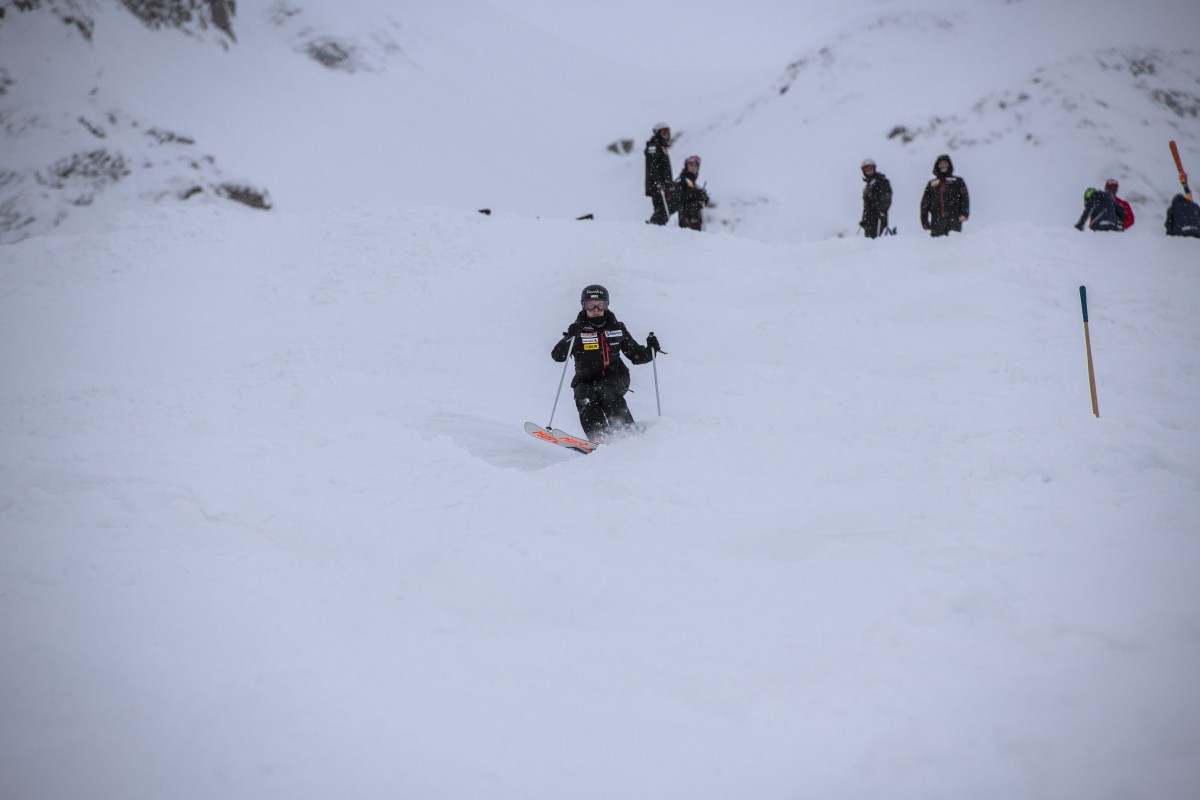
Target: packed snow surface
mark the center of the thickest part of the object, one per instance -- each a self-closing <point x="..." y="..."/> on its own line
<point x="271" y="527"/>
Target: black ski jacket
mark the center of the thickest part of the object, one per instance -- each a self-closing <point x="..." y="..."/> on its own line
<point x="692" y="198"/>
<point x="877" y="199"/>
<point x="1102" y="213"/>
<point x="597" y="351"/>
<point x="944" y="201"/>
<point x="658" y="165"/>
<point x="1183" y="218"/>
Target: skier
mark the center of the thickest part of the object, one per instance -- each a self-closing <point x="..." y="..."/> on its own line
<point x="1110" y="186"/>
<point x="1183" y="218"/>
<point x="877" y="199"/>
<point x="658" y="173"/>
<point x="945" y="205"/>
<point x="1101" y="212"/>
<point x="596" y="339"/>
<point x="692" y="198"/>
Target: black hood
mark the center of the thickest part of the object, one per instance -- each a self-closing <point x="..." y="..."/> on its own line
<point x="945" y="158"/>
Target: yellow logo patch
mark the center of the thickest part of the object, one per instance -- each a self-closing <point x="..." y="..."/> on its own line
<point x="594" y="346"/>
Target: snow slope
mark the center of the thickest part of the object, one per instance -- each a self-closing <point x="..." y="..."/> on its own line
<point x="272" y="528"/>
<point x="512" y="105"/>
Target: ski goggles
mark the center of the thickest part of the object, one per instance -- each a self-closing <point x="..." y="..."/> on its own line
<point x="595" y="305"/>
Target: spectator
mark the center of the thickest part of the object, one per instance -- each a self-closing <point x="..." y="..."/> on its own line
<point x="692" y="198"/>
<point x="1101" y="212"/>
<point x="1183" y="218"/>
<point x="945" y="205"/>
<point x="658" y="173"/>
<point x="877" y="199"/>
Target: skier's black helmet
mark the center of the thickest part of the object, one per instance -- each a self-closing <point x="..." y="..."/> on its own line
<point x="593" y="292"/>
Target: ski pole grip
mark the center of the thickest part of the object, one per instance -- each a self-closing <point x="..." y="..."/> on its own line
<point x="1083" y="302"/>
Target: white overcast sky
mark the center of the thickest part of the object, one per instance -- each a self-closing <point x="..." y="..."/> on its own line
<point x="708" y="35"/>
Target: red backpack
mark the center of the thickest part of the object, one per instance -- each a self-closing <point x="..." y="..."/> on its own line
<point x="1128" y="212"/>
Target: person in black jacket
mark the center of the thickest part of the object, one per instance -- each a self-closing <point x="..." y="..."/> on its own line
<point x="692" y="198"/>
<point x="1183" y="218"/>
<point x="597" y="339"/>
<point x="945" y="205"/>
<point x="1101" y="212"/>
<point x="877" y="199"/>
<point x="658" y="173"/>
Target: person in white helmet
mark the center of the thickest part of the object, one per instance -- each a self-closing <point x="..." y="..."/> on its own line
<point x="658" y="173"/>
<point x="877" y="199"/>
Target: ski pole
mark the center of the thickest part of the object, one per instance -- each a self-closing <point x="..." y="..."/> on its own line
<point x="1182" y="175"/>
<point x="566" y="361"/>
<point x="654" y="365"/>
<point x="1087" y="341"/>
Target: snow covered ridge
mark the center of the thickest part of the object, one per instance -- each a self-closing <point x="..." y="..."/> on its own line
<point x="356" y="50"/>
<point x="66" y="137"/>
<point x="73" y="133"/>
<point x="186" y="15"/>
<point x="1078" y="90"/>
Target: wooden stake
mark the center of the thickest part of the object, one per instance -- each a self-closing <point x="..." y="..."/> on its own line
<point x="1087" y="341"/>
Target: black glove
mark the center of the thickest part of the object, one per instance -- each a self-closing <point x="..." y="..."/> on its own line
<point x="652" y="344"/>
<point x="572" y="330"/>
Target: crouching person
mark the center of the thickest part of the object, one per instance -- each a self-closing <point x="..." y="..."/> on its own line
<point x="596" y="339"/>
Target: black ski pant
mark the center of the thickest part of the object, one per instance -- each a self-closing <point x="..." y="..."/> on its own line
<point x="873" y="226"/>
<point x="602" y="408"/>
<point x="661" y="214"/>
<point x="688" y="221"/>
<point x="943" y="226"/>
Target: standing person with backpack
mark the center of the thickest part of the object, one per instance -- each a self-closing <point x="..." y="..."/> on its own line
<point x="1101" y="212"/>
<point x="658" y="173"/>
<point x="1110" y="186"/>
<point x="877" y="199"/>
<point x="597" y="339"/>
<point x="945" y="205"/>
<point x="692" y="198"/>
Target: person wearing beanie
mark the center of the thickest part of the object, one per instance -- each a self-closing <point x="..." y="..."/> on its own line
<point x="692" y="198"/>
<point x="945" y="205"/>
<point x="1183" y="218"/>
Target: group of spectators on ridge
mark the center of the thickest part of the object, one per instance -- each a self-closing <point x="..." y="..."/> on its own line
<point x="945" y="203"/>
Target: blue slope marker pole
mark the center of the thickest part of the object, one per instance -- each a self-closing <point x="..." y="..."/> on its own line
<point x="1087" y="341"/>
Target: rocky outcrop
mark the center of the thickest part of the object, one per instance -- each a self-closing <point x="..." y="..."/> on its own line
<point x="190" y="16"/>
<point x="69" y="12"/>
<point x="63" y="153"/>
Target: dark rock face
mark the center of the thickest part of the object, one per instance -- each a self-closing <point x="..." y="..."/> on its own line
<point x="185" y="15"/>
<point x="82" y="175"/>
<point x="69" y="12"/>
<point x="246" y="195"/>
<point x="101" y="155"/>
<point x="332" y="53"/>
